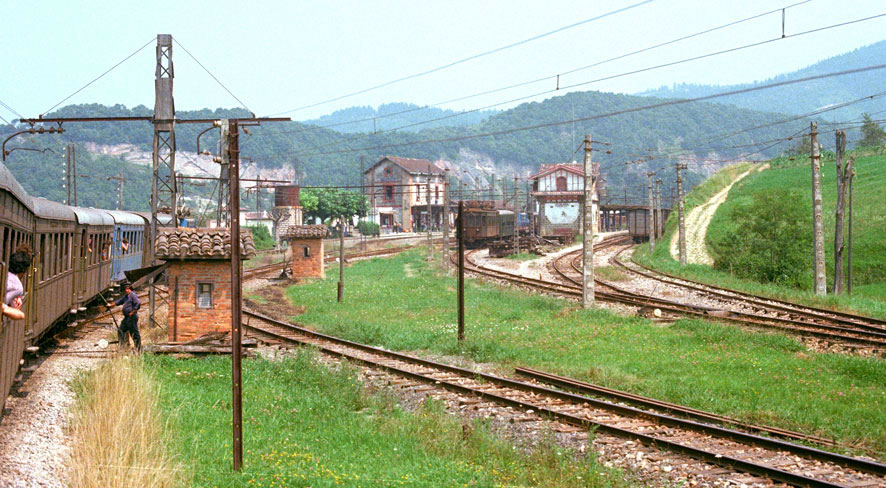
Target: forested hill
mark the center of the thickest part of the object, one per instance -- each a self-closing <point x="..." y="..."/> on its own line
<point x="329" y="157"/>
<point x="814" y="95"/>
<point x="393" y="115"/>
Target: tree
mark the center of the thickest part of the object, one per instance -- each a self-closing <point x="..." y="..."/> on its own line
<point x="770" y="240"/>
<point x="326" y="203"/>
<point x="261" y="236"/>
<point x="872" y="133"/>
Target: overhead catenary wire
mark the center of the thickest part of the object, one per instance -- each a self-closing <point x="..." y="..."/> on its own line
<point x="667" y="103"/>
<point x="618" y="75"/>
<point x="551" y="77"/>
<point x="213" y="76"/>
<point x="98" y="77"/>
<point x="469" y="58"/>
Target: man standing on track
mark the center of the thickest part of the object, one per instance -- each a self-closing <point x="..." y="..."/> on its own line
<point x="131" y="304"/>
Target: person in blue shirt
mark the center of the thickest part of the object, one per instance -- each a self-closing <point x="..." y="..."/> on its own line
<point x="131" y="304"/>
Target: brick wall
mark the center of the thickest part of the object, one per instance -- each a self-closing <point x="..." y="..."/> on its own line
<point x="190" y="320"/>
<point x="307" y="266"/>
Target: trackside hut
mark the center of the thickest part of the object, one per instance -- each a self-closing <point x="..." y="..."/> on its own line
<point x="199" y="263"/>
<point x="558" y="190"/>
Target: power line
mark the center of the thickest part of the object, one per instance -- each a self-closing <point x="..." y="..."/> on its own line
<point x="98" y="77"/>
<point x="469" y="58"/>
<point x="213" y="76"/>
<point x="537" y="80"/>
<point x="11" y="109"/>
<point x="650" y="68"/>
<point x="619" y="112"/>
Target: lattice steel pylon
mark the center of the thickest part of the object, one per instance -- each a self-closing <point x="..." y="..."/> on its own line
<point x="163" y="185"/>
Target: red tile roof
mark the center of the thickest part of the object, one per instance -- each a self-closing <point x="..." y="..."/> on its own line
<point x="304" y="232"/>
<point x="184" y="243"/>
<point x="414" y="166"/>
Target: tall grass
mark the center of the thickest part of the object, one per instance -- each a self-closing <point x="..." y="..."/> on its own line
<point x="119" y="440"/>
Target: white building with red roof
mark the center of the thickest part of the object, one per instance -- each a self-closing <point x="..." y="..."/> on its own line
<point x="558" y="191"/>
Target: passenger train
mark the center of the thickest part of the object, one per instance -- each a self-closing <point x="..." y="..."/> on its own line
<point x="79" y="254"/>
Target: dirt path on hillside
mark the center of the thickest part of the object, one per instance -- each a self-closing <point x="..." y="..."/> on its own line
<point x="697" y="221"/>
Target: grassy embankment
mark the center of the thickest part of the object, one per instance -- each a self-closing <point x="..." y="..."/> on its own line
<point x="404" y="304"/>
<point x="304" y="425"/>
<point x="869" y="228"/>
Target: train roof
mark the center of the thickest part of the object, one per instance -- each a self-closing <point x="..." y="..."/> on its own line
<point x="126" y="218"/>
<point x="164" y="219"/>
<point x="47" y="209"/>
<point x="93" y="216"/>
<point x="10" y="184"/>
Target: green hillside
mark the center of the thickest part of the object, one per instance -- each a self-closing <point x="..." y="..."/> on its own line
<point x="869" y="231"/>
<point x="814" y="95"/>
<point x="392" y="115"/>
<point x="328" y="157"/>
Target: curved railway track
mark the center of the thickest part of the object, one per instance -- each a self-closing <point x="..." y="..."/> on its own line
<point x="734" y="451"/>
<point x="798" y="320"/>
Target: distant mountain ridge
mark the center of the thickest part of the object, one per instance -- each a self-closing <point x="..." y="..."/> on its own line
<point x="395" y="115"/>
<point x="814" y="95"/>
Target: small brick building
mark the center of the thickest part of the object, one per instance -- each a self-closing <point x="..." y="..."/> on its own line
<point x="306" y="246"/>
<point x="199" y="278"/>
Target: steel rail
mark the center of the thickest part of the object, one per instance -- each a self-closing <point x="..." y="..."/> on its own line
<point x="714" y="458"/>
<point x="795" y="308"/>
<point x="672" y="408"/>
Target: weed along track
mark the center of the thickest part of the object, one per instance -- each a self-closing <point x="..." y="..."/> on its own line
<point x="729" y="454"/>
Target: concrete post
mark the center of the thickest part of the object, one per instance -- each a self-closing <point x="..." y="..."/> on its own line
<point x="680" y="168"/>
<point x="649" y="218"/>
<point x="820" y="280"/>
<point x="587" y="267"/>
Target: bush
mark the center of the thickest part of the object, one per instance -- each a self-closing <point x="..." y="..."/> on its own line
<point x="262" y="237"/>
<point x="770" y="240"/>
<point x="368" y="228"/>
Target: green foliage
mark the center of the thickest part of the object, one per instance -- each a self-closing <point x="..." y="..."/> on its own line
<point x="872" y="133"/>
<point x="326" y="203"/>
<point x="262" y="237"/>
<point x="770" y="239"/>
<point x="389" y="116"/>
<point x="368" y="228"/>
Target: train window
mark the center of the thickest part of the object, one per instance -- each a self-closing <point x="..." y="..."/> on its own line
<point x="204" y="295"/>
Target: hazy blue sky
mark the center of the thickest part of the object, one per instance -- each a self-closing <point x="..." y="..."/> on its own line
<point x="278" y="56"/>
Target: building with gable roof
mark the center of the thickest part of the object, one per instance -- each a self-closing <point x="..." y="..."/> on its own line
<point x="558" y="191"/>
<point x="397" y="189"/>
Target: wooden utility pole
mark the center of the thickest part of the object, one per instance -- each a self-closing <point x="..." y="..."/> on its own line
<point x="658" y="220"/>
<point x="341" y="259"/>
<point x="587" y="265"/>
<point x="446" y="219"/>
<point x="516" y="231"/>
<point x="820" y="280"/>
<point x="849" y="252"/>
<point x="843" y="175"/>
<point x="651" y="216"/>
<point x="428" y="196"/>
<point x="460" y="235"/>
<point x="682" y="222"/>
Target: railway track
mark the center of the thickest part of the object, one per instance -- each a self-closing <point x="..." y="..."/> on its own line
<point x="733" y="451"/>
<point x="733" y="308"/>
<point x="278" y="266"/>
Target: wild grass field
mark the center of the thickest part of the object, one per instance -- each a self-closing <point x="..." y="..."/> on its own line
<point x="309" y="424"/>
<point x="405" y="303"/>
<point x="869" y="229"/>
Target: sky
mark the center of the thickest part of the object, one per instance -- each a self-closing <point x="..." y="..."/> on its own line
<point x="278" y="57"/>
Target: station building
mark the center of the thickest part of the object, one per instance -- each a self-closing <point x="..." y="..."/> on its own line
<point x="558" y="193"/>
<point x="397" y="189"/>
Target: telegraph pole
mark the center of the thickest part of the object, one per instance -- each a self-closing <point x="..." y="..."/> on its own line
<point x="587" y="265"/>
<point x="446" y="219"/>
<point x="658" y="223"/>
<point x="842" y="183"/>
<point x="820" y="280"/>
<point x="68" y="174"/>
<point x="428" y="195"/>
<point x="516" y="232"/>
<point x="120" y="180"/>
<point x="460" y="235"/>
<point x="651" y="216"/>
<point x="680" y="168"/>
<point x="849" y="251"/>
